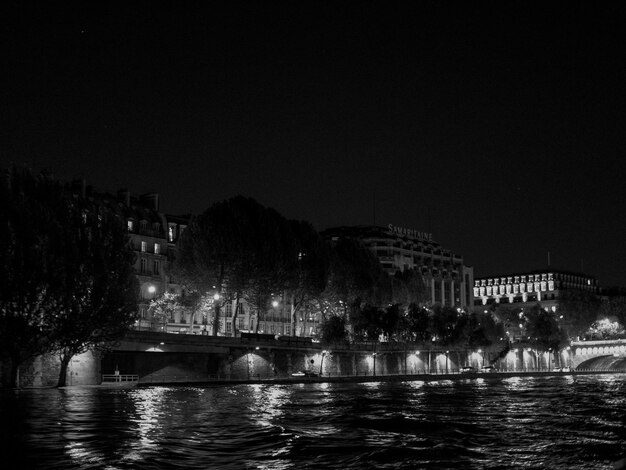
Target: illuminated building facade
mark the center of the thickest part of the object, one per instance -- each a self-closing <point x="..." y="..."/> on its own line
<point x="148" y="233"/>
<point x="448" y="280"/>
<point x="528" y="289"/>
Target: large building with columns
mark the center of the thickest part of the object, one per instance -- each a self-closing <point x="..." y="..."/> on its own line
<point x="448" y="280"/>
<point x="526" y="289"/>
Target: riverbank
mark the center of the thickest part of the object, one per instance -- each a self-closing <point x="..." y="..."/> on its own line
<point x="371" y="378"/>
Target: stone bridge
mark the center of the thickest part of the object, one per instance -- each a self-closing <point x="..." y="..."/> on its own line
<point x="165" y="357"/>
<point x="598" y="355"/>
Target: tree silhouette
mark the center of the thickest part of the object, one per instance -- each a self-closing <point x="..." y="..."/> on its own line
<point x="239" y="249"/>
<point x="67" y="278"/>
<point x="99" y="302"/>
<point x="30" y="243"/>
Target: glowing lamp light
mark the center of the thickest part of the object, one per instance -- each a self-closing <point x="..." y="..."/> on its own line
<point x="216" y="296"/>
<point x="275" y="303"/>
<point x="151" y="289"/>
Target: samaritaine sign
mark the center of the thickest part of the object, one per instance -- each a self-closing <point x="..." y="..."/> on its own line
<point x="410" y="233"/>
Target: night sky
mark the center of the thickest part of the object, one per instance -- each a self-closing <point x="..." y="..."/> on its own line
<point x="497" y="126"/>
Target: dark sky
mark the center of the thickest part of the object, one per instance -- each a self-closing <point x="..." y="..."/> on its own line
<point x="497" y="126"/>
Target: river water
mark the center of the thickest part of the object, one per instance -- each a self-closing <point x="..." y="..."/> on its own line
<point x="566" y="422"/>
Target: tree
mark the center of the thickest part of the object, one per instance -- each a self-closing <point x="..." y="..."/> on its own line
<point x="408" y="287"/>
<point x="67" y="283"/>
<point x="482" y="330"/>
<point x="543" y="329"/>
<point x="580" y="308"/>
<point x="415" y="324"/>
<point x="162" y="308"/>
<point x="604" y="329"/>
<point x="366" y="321"/>
<point x="613" y="309"/>
<point x="355" y="279"/>
<point x="311" y="272"/>
<point x="447" y="325"/>
<point x="240" y="250"/>
<point x="30" y="247"/>
<point x="99" y="302"/>
<point x="333" y="330"/>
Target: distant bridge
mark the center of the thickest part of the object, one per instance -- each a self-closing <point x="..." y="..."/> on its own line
<point x="599" y="355"/>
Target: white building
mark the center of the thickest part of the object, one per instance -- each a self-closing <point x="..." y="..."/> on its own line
<point x="448" y="280"/>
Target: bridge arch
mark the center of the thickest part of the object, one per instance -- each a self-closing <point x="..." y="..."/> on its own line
<point x="607" y="363"/>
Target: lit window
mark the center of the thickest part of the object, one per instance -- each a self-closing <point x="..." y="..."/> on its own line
<point x="144" y="247"/>
<point x="170" y="233"/>
<point x="130" y="225"/>
<point x="157" y="249"/>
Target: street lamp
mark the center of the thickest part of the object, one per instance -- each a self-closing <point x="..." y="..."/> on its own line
<point x="216" y="316"/>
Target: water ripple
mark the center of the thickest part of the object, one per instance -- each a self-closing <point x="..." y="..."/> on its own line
<point x="552" y="422"/>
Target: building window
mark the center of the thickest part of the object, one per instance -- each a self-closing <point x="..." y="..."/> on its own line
<point x="170" y="233"/>
<point x="229" y="327"/>
<point x="130" y="225"/>
<point x="144" y="247"/>
<point x="157" y="249"/>
<point x="143" y="264"/>
<point x="157" y="267"/>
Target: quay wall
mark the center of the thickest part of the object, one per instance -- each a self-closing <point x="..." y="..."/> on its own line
<point x="169" y="358"/>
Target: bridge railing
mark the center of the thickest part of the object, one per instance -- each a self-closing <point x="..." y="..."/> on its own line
<point x="113" y="378"/>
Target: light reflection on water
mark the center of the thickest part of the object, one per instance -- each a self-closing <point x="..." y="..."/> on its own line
<point x="548" y="422"/>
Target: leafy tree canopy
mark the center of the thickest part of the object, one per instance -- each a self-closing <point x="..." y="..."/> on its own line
<point x="580" y="308"/>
